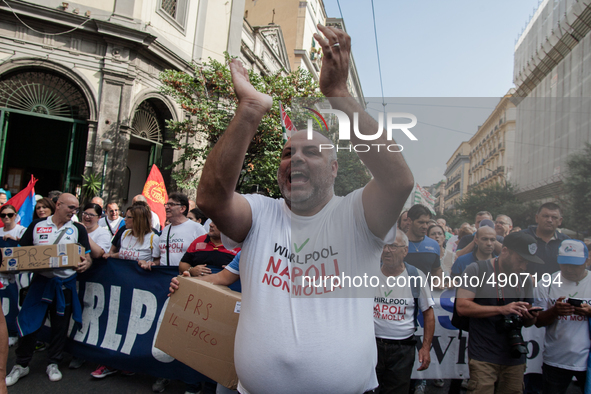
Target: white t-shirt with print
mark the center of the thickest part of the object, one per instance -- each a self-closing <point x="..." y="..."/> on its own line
<point x="567" y="338"/>
<point x="131" y="249"/>
<point x="179" y="239"/>
<point x="394" y="306"/>
<point x="102" y="237"/>
<point x="17" y="232"/>
<point x="305" y="344"/>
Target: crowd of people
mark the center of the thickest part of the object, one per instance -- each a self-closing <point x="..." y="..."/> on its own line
<point x="315" y="344"/>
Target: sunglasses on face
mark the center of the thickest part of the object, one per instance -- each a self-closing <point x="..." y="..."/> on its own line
<point x="9" y="215"/>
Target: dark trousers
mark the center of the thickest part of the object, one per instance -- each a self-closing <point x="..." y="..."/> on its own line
<point x="59" y="333"/>
<point x="395" y="361"/>
<point x="557" y="380"/>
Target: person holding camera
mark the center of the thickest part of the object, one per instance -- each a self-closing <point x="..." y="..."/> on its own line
<point x="498" y="302"/>
<point x="566" y="318"/>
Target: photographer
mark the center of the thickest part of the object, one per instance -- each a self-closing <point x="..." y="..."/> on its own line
<point x="566" y="319"/>
<point x="498" y="306"/>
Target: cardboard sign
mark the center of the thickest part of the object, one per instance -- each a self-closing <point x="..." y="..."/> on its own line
<point x="41" y="257"/>
<point x="199" y="327"/>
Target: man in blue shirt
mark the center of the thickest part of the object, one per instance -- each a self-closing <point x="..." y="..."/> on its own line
<point x="423" y="252"/>
<point x="485" y="240"/>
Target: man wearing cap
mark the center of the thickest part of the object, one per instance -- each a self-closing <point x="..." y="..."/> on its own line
<point x="566" y="318"/>
<point x="485" y="242"/>
<point x="492" y="360"/>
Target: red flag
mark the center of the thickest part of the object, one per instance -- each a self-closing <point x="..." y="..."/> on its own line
<point x="155" y="193"/>
<point x="24" y="203"/>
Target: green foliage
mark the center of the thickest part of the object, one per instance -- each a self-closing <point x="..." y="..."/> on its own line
<point x="496" y="199"/>
<point x="91" y="185"/>
<point x="578" y="188"/>
<point x="208" y="95"/>
<point x="352" y="173"/>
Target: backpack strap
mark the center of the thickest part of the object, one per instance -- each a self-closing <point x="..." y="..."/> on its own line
<point x="416" y="292"/>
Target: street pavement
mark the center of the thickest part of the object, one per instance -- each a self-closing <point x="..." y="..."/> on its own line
<point x="79" y="381"/>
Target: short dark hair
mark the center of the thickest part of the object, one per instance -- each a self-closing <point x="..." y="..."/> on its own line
<point x="551" y="206"/>
<point x="418" y="210"/>
<point x="482" y="213"/>
<point x="199" y="215"/>
<point x="182" y="199"/>
<point x="8" y="206"/>
<point x="97" y="208"/>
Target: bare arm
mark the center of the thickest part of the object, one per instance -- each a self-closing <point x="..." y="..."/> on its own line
<point x="549" y="316"/>
<point x="429" y="331"/>
<point x="385" y="195"/>
<point x="224" y="278"/>
<point x="466" y="306"/>
<point x="467" y="249"/>
<point x="96" y="252"/>
<point x="215" y="196"/>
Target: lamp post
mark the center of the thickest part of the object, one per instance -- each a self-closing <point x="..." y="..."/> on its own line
<point x="106" y="146"/>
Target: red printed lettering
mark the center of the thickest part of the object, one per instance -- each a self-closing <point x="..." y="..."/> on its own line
<point x="199" y="303"/>
<point x="189" y="299"/>
<point x="273" y="265"/>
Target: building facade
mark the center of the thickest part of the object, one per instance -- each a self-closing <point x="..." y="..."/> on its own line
<point x="552" y="76"/>
<point x="74" y="74"/>
<point x="457" y="176"/>
<point x="492" y="147"/>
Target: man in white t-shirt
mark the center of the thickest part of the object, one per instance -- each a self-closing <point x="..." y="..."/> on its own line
<point x="566" y="317"/>
<point x="293" y="338"/>
<point x="178" y="235"/>
<point x="112" y="220"/>
<point x="395" y="318"/>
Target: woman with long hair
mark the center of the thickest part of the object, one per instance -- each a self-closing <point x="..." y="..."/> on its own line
<point x="446" y="256"/>
<point x="11" y="229"/>
<point x="99" y="237"/>
<point x="45" y="207"/>
<point x="138" y="242"/>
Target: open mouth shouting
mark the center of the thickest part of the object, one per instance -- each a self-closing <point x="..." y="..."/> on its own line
<point x="297" y="178"/>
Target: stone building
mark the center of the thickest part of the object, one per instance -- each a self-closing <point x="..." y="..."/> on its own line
<point x="456" y="173"/>
<point x="492" y="147"/>
<point x="552" y="76"/>
<point x="74" y="74"/>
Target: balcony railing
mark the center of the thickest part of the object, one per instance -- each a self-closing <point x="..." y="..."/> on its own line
<point x="450" y="195"/>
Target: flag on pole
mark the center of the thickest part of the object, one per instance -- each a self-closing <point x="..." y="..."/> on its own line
<point x="155" y="193"/>
<point x="24" y="203"/>
<point x="425" y="198"/>
<point x="286" y="125"/>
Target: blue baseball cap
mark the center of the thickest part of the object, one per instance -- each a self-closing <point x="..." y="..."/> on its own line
<point x="572" y="251"/>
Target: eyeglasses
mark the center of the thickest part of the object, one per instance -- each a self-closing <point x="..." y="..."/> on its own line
<point x="9" y="215"/>
<point x="90" y="215"/>
<point x="73" y="208"/>
<point x="172" y="204"/>
<point x="394" y="246"/>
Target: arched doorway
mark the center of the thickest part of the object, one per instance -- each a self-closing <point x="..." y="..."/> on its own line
<point x="147" y="144"/>
<point x="43" y="130"/>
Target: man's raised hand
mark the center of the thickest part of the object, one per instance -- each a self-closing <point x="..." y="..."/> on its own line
<point x="336" y="48"/>
<point x="245" y="92"/>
